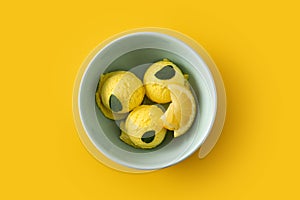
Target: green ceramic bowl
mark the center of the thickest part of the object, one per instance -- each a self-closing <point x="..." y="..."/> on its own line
<point x="134" y="51"/>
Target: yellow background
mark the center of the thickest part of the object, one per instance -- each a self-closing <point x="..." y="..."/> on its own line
<point x="255" y="44"/>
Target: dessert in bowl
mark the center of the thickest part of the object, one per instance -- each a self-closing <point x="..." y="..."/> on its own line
<point x="134" y="52"/>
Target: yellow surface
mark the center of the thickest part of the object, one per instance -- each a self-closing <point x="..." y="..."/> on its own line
<point x="256" y="47"/>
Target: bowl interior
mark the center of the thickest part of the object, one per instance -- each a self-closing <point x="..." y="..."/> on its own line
<point x="135" y="52"/>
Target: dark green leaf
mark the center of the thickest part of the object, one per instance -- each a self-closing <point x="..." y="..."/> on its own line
<point x="167" y="72"/>
<point x="115" y="104"/>
<point x="148" y="136"/>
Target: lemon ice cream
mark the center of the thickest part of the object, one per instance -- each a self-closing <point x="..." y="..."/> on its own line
<point x="158" y="76"/>
<point x="144" y="128"/>
<point x="106" y="111"/>
<point x="121" y="92"/>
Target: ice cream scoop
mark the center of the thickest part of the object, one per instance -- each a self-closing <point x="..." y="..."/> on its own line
<point x="143" y="127"/>
<point x="122" y="92"/>
<point x="158" y="76"/>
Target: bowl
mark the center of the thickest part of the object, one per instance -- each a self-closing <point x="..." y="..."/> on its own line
<point x="134" y="51"/>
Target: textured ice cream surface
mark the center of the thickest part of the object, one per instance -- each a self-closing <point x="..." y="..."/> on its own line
<point x="143" y="127"/>
<point x="106" y="111"/>
<point x="158" y="76"/>
<point x="122" y="92"/>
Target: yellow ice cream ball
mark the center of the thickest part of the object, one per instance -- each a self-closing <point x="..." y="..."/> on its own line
<point x="106" y="111"/>
<point x="158" y="76"/>
<point x="122" y="92"/>
<point x="144" y="126"/>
